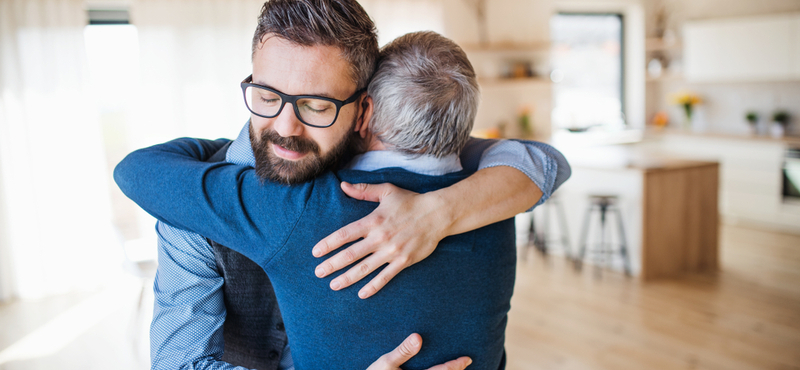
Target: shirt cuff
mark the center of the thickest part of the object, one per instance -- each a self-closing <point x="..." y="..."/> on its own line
<point x="530" y="158"/>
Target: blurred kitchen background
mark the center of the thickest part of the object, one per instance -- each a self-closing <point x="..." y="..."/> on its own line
<point x="675" y="244"/>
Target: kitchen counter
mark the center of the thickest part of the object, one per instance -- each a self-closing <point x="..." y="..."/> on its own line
<point x="669" y="206"/>
<point x="789" y="140"/>
<point x="626" y="157"/>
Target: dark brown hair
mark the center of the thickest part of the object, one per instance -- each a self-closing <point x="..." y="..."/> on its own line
<point x="340" y="23"/>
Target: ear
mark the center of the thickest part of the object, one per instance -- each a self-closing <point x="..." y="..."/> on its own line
<point x="362" y="124"/>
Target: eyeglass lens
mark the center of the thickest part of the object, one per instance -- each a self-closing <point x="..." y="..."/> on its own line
<point x="315" y="112"/>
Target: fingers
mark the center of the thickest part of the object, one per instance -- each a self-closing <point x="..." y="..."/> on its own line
<point x="357" y="272"/>
<point x="460" y="363"/>
<point x="405" y="351"/>
<point x="368" y="192"/>
<point x="351" y="232"/>
<point x="344" y="258"/>
<point x="378" y="282"/>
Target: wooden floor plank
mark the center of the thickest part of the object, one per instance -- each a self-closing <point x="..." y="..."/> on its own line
<point x="745" y="316"/>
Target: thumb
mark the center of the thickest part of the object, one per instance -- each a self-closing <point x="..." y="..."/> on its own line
<point x="368" y="192"/>
<point x="405" y="351"/>
<point x="457" y="364"/>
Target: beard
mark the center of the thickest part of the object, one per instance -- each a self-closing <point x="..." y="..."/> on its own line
<point x="271" y="167"/>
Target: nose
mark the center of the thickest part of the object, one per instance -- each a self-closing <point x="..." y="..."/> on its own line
<point x="287" y="124"/>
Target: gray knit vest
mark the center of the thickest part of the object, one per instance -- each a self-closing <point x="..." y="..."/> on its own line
<point x="253" y="330"/>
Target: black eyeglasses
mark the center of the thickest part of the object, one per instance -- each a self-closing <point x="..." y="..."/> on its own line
<point x="312" y="110"/>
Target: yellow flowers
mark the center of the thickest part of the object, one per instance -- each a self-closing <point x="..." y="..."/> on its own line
<point x="686" y="98"/>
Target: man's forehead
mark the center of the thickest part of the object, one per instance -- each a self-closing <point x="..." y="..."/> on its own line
<point x="302" y="70"/>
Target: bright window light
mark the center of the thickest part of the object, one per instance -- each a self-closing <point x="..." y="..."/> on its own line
<point x="587" y="70"/>
<point x="113" y="56"/>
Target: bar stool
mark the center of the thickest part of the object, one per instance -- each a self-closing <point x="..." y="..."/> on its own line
<point x="543" y="241"/>
<point x="527" y="235"/>
<point x="604" y="204"/>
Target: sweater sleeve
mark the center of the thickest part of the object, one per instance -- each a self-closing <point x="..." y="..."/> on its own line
<point x="224" y="202"/>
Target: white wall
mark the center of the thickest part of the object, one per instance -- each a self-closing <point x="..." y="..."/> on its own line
<point x="681" y="10"/>
<point x="517" y="21"/>
<point x="521" y="22"/>
<point x="725" y="104"/>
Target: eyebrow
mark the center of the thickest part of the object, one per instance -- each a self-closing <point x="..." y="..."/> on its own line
<point x="324" y="95"/>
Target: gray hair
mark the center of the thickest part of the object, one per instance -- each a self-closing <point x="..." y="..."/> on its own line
<point x="425" y="95"/>
<point x="340" y="23"/>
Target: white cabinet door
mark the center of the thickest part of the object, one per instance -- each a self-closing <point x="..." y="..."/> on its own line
<point x="762" y="48"/>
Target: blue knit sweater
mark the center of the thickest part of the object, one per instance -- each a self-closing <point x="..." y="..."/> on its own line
<point x="457" y="299"/>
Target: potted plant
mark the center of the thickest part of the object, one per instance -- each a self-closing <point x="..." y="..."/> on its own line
<point x="752" y="118"/>
<point x="524" y="120"/>
<point x="687" y="101"/>
<point x="780" y="120"/>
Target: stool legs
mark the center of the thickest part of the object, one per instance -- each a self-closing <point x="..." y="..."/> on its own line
<point x="604" y="250"/>
<point x="584" y="238"/>
<point x="564" y="232"/>
<point x="623" y="243"/>
<point x="604" y="247"/>
<point x="533" y="236"/>
<point x="542" y="247"/>
<point x="541" y="240"/>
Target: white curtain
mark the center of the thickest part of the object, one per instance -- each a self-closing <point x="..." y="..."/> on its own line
<point x="57" y="235"/>
<point x="193" y="55"/>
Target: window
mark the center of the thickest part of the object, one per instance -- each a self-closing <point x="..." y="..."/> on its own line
<point x="112" y="51"/>
<point x="587" y="70"/>
<point x="112" y="55"/>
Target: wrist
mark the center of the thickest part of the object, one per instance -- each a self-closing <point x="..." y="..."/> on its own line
<point x="445" y="214"/>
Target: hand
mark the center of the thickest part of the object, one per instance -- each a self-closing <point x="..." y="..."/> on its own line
<point x="408" y="349"/>
<point x="404" y="229"/>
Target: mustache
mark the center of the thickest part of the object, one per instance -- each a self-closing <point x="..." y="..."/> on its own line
<point x="293" y="143"/>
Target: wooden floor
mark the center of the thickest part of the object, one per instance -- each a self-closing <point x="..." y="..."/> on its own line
<point x="746" y="316"/>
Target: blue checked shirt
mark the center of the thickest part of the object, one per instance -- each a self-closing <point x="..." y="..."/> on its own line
<point x="186" y="332"/>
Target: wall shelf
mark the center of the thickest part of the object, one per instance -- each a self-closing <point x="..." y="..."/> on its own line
<point x="665" y="78"/>
<point x="658" y="44"/>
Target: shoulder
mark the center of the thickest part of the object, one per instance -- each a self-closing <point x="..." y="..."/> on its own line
<point x="402" y="178"/>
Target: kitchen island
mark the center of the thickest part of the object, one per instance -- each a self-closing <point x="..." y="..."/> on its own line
<point x="669" y="207"/>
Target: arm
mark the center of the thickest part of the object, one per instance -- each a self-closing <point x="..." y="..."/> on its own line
<point x="513" y="176"/>
<point x="187" y="282"/>
<point x="220" y="201"/>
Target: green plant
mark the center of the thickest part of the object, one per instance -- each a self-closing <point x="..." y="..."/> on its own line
<point x="752" y="117"/>
<point x="781" y="117"/>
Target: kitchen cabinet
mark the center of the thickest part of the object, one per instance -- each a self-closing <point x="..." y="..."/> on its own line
<point x="680" y="218"/>
<point x="763" y="48"/>
<point x="750" y="173"/>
